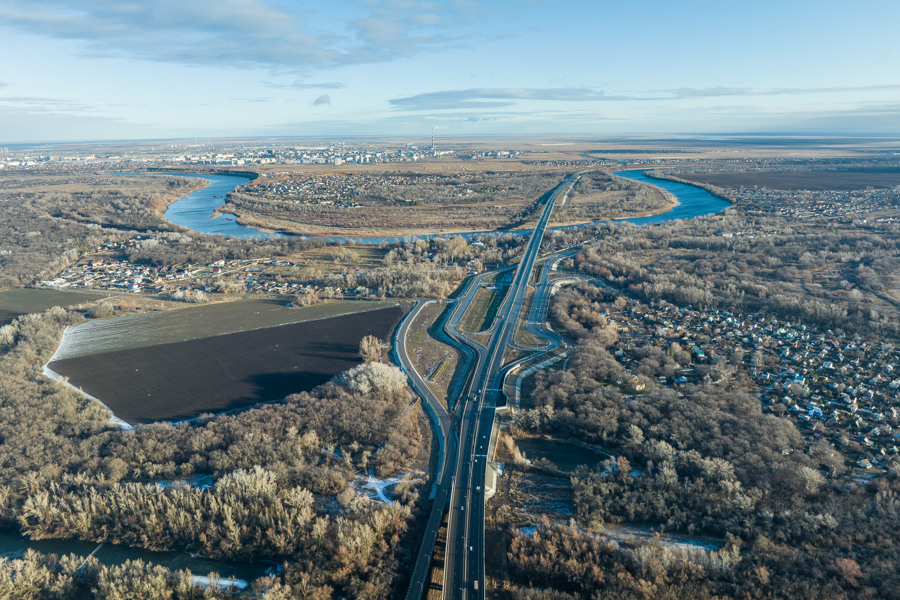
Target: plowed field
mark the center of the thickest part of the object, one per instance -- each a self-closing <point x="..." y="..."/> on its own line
<point x="182" y="380"/>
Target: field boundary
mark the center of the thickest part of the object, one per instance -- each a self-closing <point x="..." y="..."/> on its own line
<point x="206" y="337"/>
<point x="175" y="404"/>
<point x="51" y="374"/>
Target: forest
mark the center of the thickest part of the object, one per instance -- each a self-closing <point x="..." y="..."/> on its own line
<point x="704" y="459"/>
<point x="834" y="274"/>
<point x="48" y="222"/>
<point x="283" y="474"/>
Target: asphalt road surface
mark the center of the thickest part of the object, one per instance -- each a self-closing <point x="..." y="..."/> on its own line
<point x="464" y="563"/>
<point x="462" y="462"/>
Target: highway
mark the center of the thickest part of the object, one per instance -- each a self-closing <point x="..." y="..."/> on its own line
<point x="462" y="452"/>
<point x="447" y="450"/>
<point x="540" y="305"/>
<point x="464" y="564"/>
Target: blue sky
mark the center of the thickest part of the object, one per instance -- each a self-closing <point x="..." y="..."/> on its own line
<point x="121" y="69"/>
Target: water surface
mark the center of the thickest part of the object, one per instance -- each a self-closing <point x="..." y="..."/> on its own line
<point x="197" y="210"/>
<point x="14" y="545"/>
<point x="692" y="200"/>
<point x="565" y="455"/>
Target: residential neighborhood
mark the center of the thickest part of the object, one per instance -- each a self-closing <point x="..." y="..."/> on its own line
<point x="105" y="270"/>
<point x="835" y="387"/>
<point x="816" y="204"/>
<point x="206" y="153"/>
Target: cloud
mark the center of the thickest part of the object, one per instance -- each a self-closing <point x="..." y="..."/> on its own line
<point x="717" y="92"/>
<point x="398" y="28"/>
<point x="29" y="126"/>
<point x="234" y="33"/>
<point x="491" y="97"/>
<point x="230" y="32"/>
<point x="322" y="100"/>
<point x="302" y="85"/>
<point x="42" y="105"/>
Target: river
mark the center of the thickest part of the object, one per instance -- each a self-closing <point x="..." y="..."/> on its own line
<point x="14" y="545"/>
<point x="692" y="200"/>
<point x="197" y="210"/>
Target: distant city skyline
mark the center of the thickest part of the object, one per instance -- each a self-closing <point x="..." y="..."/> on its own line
<point x="106" y="70"/>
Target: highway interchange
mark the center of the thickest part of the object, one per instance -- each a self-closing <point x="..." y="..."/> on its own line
<point x="458" y="485"/>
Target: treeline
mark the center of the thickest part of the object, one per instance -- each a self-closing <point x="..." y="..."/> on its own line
<point x="423" y="268"/>
<point x="417" y="280"/>
<point x="167" y="249"/>
<point x="43" y="229"/>
<point x="824" y="274"/>
<point x="69" y="577"/>
<point x="703" y="460"/>
<point x="486" y="249"/>
<point x="244" y="516"/>
<point x="282" y="473"/>
<point x="485" y="201"/>
<point x="565" y="563"/>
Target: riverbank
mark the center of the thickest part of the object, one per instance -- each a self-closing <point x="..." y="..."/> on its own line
<point x="712" y="189"/>
<point x="694" y="201"/>
<point x="202" y="211"/>
<point x="226" y="573"/>
<point x="673" y="203"/>
<point x="343" y="233"/>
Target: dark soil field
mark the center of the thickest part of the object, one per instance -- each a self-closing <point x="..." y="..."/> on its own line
<point x="803" y="180"/>
<point x="171" y="382"/>
<point x="195" y="322"/>
<point x="22" y="301"/>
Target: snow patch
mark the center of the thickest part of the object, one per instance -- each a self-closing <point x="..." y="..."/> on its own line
<point x="50" y="373"/>
<point x="201" y="482"/>
<point x="219" y="582"/>
<point x="377" y="486"/>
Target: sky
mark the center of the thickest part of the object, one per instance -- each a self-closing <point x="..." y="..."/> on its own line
<point x="162" y="69"/>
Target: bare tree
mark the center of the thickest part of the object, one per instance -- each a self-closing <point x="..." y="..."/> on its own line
<point x="370" y="348"/>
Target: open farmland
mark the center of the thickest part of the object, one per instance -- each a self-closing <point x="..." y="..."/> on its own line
<point x="181" y="380"/>
<point x="22" y="301"/>
<point x="195" y="322"/>
<point x="852" y="179"/>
